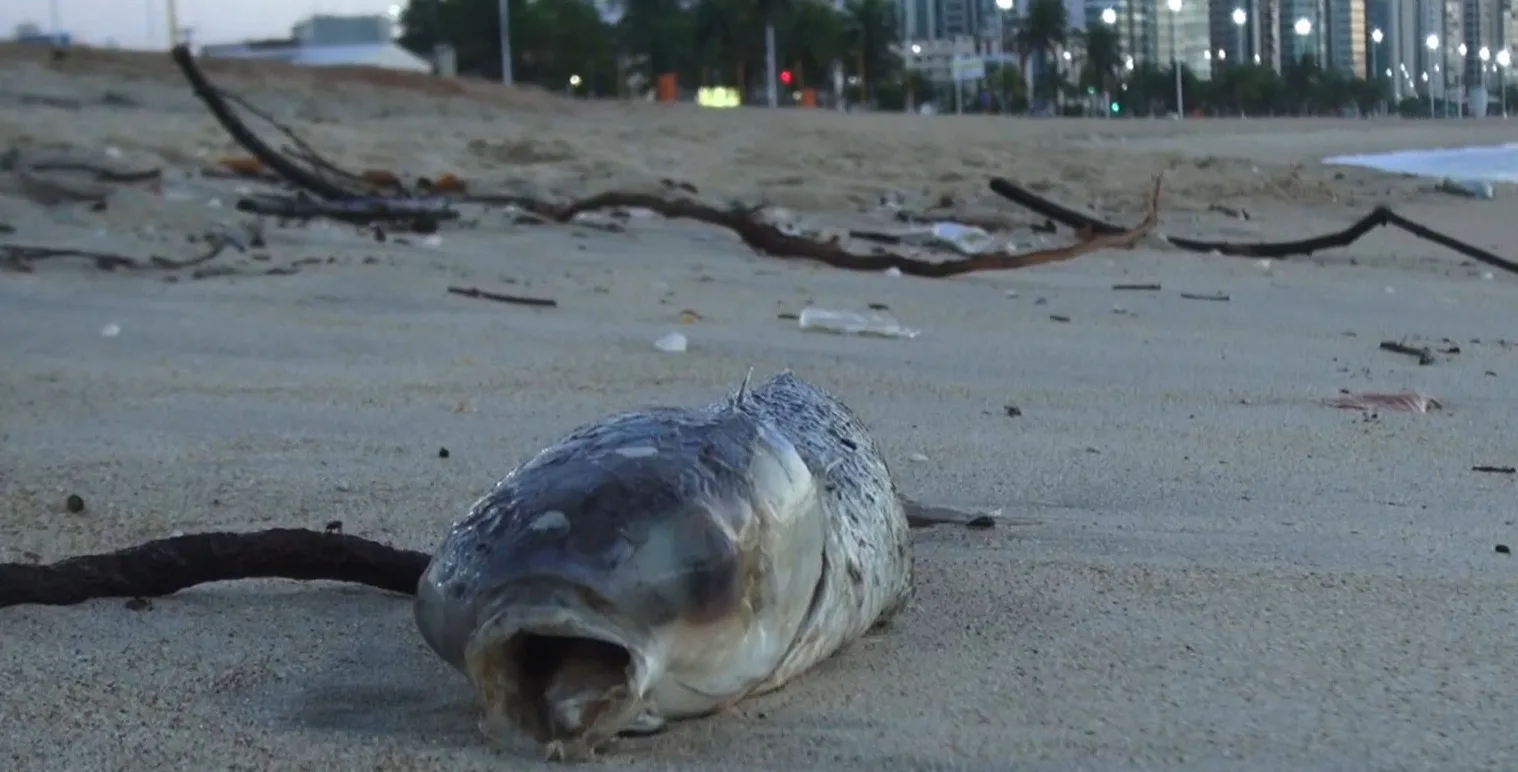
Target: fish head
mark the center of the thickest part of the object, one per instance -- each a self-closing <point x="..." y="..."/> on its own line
<point x="580" y="586"/>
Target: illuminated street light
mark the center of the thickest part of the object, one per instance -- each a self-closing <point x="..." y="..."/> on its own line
<point x="1109" y="16"/>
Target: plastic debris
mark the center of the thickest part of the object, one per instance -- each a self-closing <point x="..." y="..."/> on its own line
<point x="1406" y="402"/>
<point x="673" y="343"/>
<point x="839" y="322"/>
<point x="1479" y="189"/>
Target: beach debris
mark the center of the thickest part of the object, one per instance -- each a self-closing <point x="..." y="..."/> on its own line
<point x="66" y="175"/>
<point x="1503" y="549"/>
<point x="919" y="458"/>
<point x="1424" y="355"/>
<point x="1136" y="287"/>
<point x="138" y="604"/>
<point x="877" y="324"/>
<point x="519" y="300"/>
<point x="923" y="515"/>
<point x="110" y="330"/>
<point x="1406" y="401"/>
<point x="74" y="503"/>
<point x="1495" y="469"/>
<point x="1059" y="318"/>
<point x="1012" y="411"/>
<point x="688" y="316"/>
<point x="165" y="566"/>
<point x="443" y="453"/>
<point x="1477" y="189"/>
<point x="1377" y="217"/>
<point x="1237" y="214"/>
<point x="672" y="343"/>
<point x="20" y="257"/>
<point x="1216" y="297"/>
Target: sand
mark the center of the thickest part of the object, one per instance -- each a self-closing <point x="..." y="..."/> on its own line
<point x="1205" y="568"/>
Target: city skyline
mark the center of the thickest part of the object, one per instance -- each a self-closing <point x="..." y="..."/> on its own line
<point x="142" y="23"/>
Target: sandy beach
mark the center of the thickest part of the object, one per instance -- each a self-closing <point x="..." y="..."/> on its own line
<point x="1204" y="567"/>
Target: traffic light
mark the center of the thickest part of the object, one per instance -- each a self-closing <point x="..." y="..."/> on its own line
<point x="785" y="77"/>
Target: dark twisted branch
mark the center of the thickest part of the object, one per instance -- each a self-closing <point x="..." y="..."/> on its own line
<point x="1272" y="249"/>
<point x="166" y="566"/>
<point x="772" y="240"/>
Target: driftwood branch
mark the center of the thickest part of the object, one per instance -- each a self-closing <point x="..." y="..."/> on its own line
<point x="166" y="566"/>
<point x="1272" y="249"/>
<point x="776" y="242"/>
<point x="346" y="202"/>
<point x="21" y="257"/>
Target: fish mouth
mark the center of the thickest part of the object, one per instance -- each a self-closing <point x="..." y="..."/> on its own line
<point x="571" y="686"/>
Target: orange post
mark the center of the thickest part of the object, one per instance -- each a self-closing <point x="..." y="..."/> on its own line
<point x="667" y="87"/>
<point x="809" y="97"/>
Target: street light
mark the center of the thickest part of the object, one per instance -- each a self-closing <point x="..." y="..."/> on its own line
<point x="1484" y="55"/>
<point x="1109" y="16"/>
<point x="1504" y="60"/>
<point x="1375" y="46"/>
<point x="1240" y="18"/>
<point x="1432" y="43"/>
<point x="1303" y="28"/>
<point x="1175" y="58"/>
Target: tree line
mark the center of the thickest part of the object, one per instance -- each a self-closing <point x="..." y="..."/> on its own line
<point x="567" y="45"/>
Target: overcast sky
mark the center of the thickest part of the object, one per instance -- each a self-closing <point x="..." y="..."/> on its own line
<point x="141" y="23"/>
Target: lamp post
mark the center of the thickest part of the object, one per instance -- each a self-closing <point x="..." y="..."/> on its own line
<point x="1303" y="28"/>
<point x="1175" y="59"/>
<point x="505" y="32"/>
<point x="1432" y="43"/>
<point x="1504" y="59"/>
<point x="1485" y="55"/>
<point x="1240" y="18"/>
<point x="1004" y="9"/>
<point x="1375" y="70"/>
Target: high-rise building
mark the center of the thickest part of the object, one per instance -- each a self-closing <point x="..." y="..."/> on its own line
<point x="1233" y="42"/>
<point x="1183" y="35"/>
<point x="1345" y="35"/>
<point x="1134" y="22"/>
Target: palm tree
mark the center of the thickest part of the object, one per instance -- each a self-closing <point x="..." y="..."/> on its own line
<point x="724" y="31"/>
<point x="1104" y="54"/>
<point x="869" y="33"/>
<point x="1040" y="34"/>
<point x="814" y="41"/>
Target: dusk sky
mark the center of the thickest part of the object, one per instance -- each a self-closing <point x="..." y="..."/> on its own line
<point x="141" y="23"/>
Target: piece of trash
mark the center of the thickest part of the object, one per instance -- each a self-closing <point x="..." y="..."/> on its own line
<point x="920" y="458"/>
<point x="1136" y="287"/>
<point x="1216" y="297"/>
<point x="432" y="241"/>
<point x="1425" y="357"/>
<point x="110" y="330"/>
<point x="964" y="239"/>
<point x="1407" y="402"/>
<point x="1059" y="318"/>
<point x="1495" y="469"/>
<point x="74" y="503"/>
<point x="1013" y="411"/>
<point x="1479" y="189"/>
<point x="893" y="271"/>
<point x="689" y="317"/>
<point x="672" y="343"/>
<point x="1503" y="549"/>
<point x="874" y="324"/>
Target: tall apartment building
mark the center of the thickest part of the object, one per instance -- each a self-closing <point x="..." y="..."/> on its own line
<point x="1183" y="35"/>
<point x="1345" y="35"/>
<point x="1230" y="41"/>
<point x="1134" y="21"/>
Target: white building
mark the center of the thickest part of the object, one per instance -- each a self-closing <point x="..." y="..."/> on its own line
<point x="362" y="41"/>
